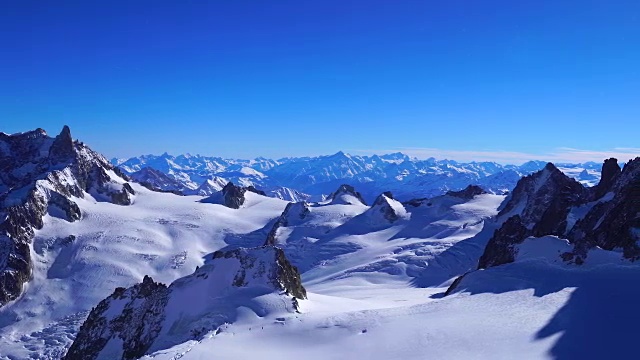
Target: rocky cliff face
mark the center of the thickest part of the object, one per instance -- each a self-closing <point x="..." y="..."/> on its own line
<point x="550" y="203"/>
<point x="42" y="175"/>
<point x="130" y="322"/>
<point x="614" y="220"/>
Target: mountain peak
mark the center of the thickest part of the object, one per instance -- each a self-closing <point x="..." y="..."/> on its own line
<point x="347" y="195"/>
<point x="551" y="167"/>
<point x="62" y="147"/>
<point x="390" y="209"/>
<point x="610" y="171"/>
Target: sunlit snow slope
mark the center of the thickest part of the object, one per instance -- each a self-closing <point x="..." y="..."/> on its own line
<point x="78" y="264"/>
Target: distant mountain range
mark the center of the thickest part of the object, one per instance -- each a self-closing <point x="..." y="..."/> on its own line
<point x="313" y="178"/>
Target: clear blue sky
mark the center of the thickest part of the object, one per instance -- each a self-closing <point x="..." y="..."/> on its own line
<point x="278" y="78"/>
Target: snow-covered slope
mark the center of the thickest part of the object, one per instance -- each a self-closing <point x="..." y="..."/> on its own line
<point x="314" y="177"/>
<point x="342" y="253"/>
<point x="537" y="306"/>
<point x="76" y="265"/>
<point x="150" y="316"/>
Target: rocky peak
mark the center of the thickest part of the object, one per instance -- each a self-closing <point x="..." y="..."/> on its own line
<point x="62" y="147"/>
<point x="610" y="171"/>
<point x="613" y="222"/>
<point x="538" y="206"/>
<point x="232" y="196"/>
<point x="346" y="194"/>
<point x="149" y="315"/>
<point x="390" y="209"/>
<point x="543" y="202"/>
<point x="467" y="193"/>
<point x="293" y="213"/>
<point x="542" y="198"/>
<point x="41" y="175"/>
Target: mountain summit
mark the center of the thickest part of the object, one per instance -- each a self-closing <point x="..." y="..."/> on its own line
<point x="43" y="175"/>
<point x="550" y="203"/>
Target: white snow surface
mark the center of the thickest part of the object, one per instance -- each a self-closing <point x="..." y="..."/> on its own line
<point x="162" y="235"/>
<point x="375" y="291"/>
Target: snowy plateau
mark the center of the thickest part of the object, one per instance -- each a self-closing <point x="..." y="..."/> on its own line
<point x="333" y="257"/>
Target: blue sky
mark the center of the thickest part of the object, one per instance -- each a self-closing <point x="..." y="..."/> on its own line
<point x="501" y="80"/>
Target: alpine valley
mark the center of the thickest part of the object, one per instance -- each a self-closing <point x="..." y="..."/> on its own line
<point x="330" y="257"/>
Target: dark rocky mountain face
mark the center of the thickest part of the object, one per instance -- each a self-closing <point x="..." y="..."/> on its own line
<point x="135" y="317"/>
<point x="40" y="175"/>
<point x="544" y="203"/>
<point x="613" y="222"/>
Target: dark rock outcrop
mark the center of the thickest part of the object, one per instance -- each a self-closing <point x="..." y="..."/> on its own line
<point x="68" y="206"/>
<point x="467" y="193"/>
<point x="137" y="318"/>
<point x="232" y="196"/>
<point x="124" y="196"/>
<point x="610" y="172"/>
<point x="500" y="249"/>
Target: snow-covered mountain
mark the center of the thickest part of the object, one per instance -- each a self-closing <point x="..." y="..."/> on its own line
<point x="546" y="271"/>
<point x="312" y="178"/>
<point x="46" y="176"/>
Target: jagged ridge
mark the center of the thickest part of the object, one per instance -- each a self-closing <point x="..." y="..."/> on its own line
<point x="542" y="204"/>
<point x="42" y="175"/>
